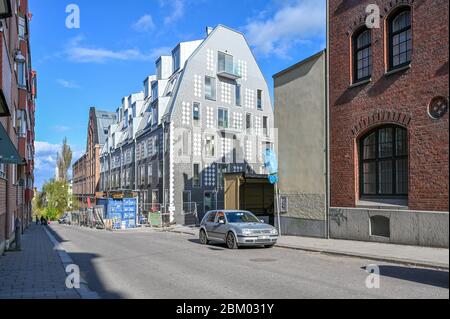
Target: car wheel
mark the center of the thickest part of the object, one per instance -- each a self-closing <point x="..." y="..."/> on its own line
<point x="203" y="238"/>
<point x="231" y="241"/>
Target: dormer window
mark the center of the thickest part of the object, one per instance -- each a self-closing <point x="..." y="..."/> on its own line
<point x="176" y="59"/>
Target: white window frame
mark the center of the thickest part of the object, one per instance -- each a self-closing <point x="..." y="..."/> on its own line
<point x="197" y="122"/>
<point x="228" y="117"/>
<point x="214" y="139"/>
<point x="214" y="98"/>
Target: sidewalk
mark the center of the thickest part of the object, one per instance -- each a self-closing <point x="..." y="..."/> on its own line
<point x="408" y="255"/>
<point x="36" y="272"/>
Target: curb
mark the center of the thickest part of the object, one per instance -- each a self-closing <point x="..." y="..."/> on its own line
<point x="406" y="262"/>
<point x="66" y="260"/>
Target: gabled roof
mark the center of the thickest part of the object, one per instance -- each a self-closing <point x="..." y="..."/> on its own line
<point x="101" y="120"/>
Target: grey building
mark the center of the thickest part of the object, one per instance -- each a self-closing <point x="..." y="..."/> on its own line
<point x="206" y="112"/>
<point x="301" y="121"/>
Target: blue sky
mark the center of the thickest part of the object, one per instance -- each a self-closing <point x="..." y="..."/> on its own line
<point x="117" y="42"/>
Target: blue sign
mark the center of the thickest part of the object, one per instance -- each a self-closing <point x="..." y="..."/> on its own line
<point x="273" y="179"/>
<point x="271" y="163"/>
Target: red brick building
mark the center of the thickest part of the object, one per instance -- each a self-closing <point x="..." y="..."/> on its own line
<point x="17" y="120"/>
<point x="86" y="170"/>
<point x="389" y="137"/>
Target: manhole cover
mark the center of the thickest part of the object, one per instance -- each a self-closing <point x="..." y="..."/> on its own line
<point x="263" y="260"/>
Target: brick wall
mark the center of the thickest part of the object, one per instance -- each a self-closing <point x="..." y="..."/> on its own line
<point x="400" y="98"/>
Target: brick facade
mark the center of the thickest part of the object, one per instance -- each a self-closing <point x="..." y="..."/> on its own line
<point x="17" y="180"/>
<point x="401" y="98"/>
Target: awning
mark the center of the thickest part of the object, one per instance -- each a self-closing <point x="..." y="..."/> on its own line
<point x="8" y="152"/>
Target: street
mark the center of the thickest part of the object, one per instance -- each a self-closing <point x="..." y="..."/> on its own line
<point x="150" y="264"/>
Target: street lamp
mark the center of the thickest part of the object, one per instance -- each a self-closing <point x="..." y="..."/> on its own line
<point x="5" y="9"/>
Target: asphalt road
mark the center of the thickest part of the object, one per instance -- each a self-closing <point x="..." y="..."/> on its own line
<point x="149" y="264"/>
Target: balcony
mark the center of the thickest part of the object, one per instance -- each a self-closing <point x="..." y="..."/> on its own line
<point x="227" y="68"/>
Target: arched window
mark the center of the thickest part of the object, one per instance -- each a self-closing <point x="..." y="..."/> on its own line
<point x="400" y="38"/>
<point x="362" y="55"/>
<point x="384" y="162"/>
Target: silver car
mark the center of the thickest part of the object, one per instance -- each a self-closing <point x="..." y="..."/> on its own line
<point x="236" y="228"/>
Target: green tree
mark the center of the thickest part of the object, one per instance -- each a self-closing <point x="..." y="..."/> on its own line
<point x="54" y="199"/>
<point x="64" y="160"/>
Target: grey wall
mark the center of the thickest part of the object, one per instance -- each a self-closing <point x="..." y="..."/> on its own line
<point x="406" y="227"/>
<point x="300" y="117"/>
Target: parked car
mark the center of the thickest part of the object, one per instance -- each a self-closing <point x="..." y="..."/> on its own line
<point x="65" y="220"/>
<point x="236" y="228"/>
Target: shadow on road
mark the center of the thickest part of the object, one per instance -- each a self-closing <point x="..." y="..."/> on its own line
<point x="89" y="271"/>
<point x="91" y="274"/>
<point x="429" y="277"/>
<point x="215" y="246"/>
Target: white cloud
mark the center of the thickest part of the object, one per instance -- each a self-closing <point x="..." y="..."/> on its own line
<point x="176" y="10"/>
<point x="45" y="160"/>
<point x="67" y="84"/>
<point x="45" y="148"/>
<point x="76" y="51"/>
<point x="295" y="22"/>
<point x="145" y="23"/>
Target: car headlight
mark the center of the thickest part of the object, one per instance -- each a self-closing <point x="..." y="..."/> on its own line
<point x="274" y="231"/>
<point x="247" y="232"/>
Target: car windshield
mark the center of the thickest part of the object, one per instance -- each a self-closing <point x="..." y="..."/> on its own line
<point x="241" y="217"/>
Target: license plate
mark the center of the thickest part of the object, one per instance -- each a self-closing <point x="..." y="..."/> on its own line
<point x="263" y="237"/>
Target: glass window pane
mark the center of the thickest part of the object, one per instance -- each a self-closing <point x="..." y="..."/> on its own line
<point x="370" y="147"/>
<point x="401" y="142"/>
<point x="369" y="178"/>
<point x="402" y="176"/>
<point x="385" y="148"/>
<point x="385" y="177"/>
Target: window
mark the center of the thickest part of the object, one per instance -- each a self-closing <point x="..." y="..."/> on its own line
<point x="238" y="95"/>
<point x="266" y="126"/>
<point x="362" y="55"/>
<point x="155" y="91"/>
<point x="22" y="28"/>
<point x="176" y="59"/>
<point x="225" y="63"/>
<point x="21" y="77"/>
<point x="196" y="181"/>
<point x="222" y="169"/>
<point x="150" y="174"/>
<point x="210" y="146"/>
<point x="210" y="88"/>
<point x="384" y="162"/>
<point x="248" y="123"/>
<point x="211" y="217"/>
<point x="21" y="123"/>
<point x="196" y="113"/>
<point x="222" y="118"/>
<point x="400" y="38"/>
<point x="209" y="202"/>
<point x="142" y="175"/>
<point x="160" y="169"/>
<point x="259" y="100"/>
<point x="2" y="171"/>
